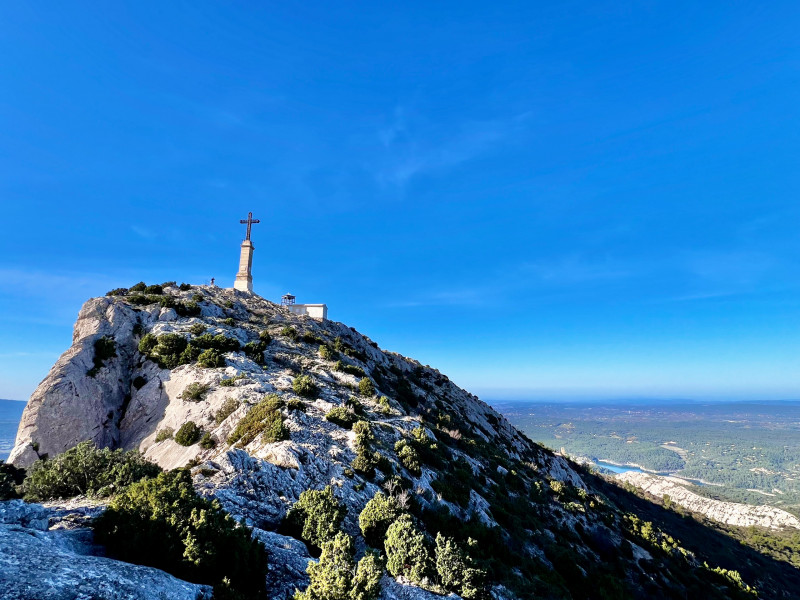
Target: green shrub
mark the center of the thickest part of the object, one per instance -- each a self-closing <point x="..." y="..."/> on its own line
<point x="167" y="349"/>
<point x="148" y="343"/>
<point x="188" y="434"/>
<point x="163" y="523"/>
<point x="380" y="512"/>
<point x="348" y="368"/>
<point x="263" y="419"/>
<point x="316" y="516"/>
<point x="325" y="353"/>
<point x="164" y="434"/>
<point x="185" y="287"/>
<point x="289" y="332"/>
<point x="366" y="387"/>
<point x="86" y="470"/>
<point x="385" y="406"/>
<point x="188" y="309"/>
<point x="456" y="571"/>
<point x="219" y="342"/>
<point x="195" y="391"/>
<point x="104" y="348"/>
<point x="117" y="292"/>
<point x="337" y="577"/>
<point x="230" y="322"/>
<point x="407" y="550"/>
<point x="303" y="385"/>
<point x="154" y="289"/>
<point x="210" y="359"/>
<point x="207" y="442"/>
<point x="354" y="405"/>
<point x="408" y="456"/>
<point x="296" y="404"/>
<point x="255" y="351"/>
<point x="139" y="287"/>
<point x="11" y="478"/>
<point x="226" y="410"/>
<point x="342" y="417"/>
<point x="364" y="435"/>
<point x="265" y="337"/>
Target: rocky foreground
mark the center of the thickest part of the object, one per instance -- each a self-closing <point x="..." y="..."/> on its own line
<point x="143" y="370"/>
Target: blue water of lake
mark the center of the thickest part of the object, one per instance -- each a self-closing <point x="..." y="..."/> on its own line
<point x="617" y="468"/>
<point x="10" y="415"/>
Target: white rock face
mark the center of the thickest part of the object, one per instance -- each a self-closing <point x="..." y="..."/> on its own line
<point x="131" y="399"/>
<point x="730" y="513"/>
<point x="39" y="562"/>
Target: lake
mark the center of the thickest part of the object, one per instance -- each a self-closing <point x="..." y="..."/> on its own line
<point x="617" y="468"/>
<point x="10" y="415"/>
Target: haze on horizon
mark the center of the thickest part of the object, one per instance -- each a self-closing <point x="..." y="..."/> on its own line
<point x="542" y="201"/>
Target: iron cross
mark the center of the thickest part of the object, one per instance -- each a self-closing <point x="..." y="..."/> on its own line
<point x="250" y="220"/>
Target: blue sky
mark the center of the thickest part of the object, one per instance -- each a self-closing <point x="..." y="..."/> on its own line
<point x="543" y="200"/>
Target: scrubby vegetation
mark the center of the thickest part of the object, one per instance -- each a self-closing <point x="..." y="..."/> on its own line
<point x="210" y="359"/>
<point x="378" y="514"/>
<point x="226" y="410"/>
<point x="164" y="434"/>
<point x="188" y="434"/>
<point x="195" y="391"/>
<point x="337" y="576"/>
<point x="303" y="385"/>
<point x="264" y="419"/>
<point x="104" y="348"/>
<point x="407" y="550"/>
<point x="366" y="387"/>
<point x="11" y="479"/>
<point x="161" y="522"/>
<point x="342" y="417"/>
<point x="86" y="470"/>
<point x="316" y="516"/>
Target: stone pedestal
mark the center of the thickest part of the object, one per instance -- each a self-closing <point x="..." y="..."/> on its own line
<point x="244" y="279"/>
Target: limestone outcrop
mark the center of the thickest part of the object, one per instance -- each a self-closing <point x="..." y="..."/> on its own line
<point x="730" y="513"/>
<point x="135" y="377"/>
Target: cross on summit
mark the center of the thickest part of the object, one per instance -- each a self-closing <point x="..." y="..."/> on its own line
<point x="250" y="220"/>
<point x="244" y="278"/>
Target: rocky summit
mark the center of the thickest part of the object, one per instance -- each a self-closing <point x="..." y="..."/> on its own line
<point x="262" y="405"/>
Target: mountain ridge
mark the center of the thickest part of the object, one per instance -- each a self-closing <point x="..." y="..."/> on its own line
<point x="145" y="363"/>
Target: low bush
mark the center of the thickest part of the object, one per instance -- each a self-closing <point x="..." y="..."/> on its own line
<point x="185" y="287"/>
<point x="378" y="514"/>
<point x="139" y="287"/>
<point x="163" y="523"/>
<point x="156" y="290"/>
<point x="11" y="478"/>
<point x="296" y="404"/>
<point x="188" y="434"/>
<point x="164" y="434"/>
<point x="265" y="337"/>
<point x="344" y="367"/>
<point x="226" y="410"/>
<point x="316" y="516"/>
<point x="255" y="351"/>
<point x="264" y="419"/>
<point x="325" y="353"/>
<point x="231" y="381"/>
<point x="195" y="391"/>
<point x="303" y="385"/>
<point x="408" y="456"/>
<point x="117" y="292"/>
<point x="207" y="442"/>
<point x="219" y="342"/>
<point x="407" y="551"/>
<point x="188" y="309"/>
<point x="168" y="350"/>
<point x="456" y="571"/>
<point x="289" y="332"/>
<point x="230" y="322"/>
<point x="336" y="576"/>
<point x="366" y="387"/>
<point x="210" y="359"/>
<point x="104" y="348"/>
<point x="86" y="470"/>
<point x="342" y="417"/>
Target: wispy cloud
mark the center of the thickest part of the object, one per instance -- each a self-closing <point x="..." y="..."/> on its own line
<point x="410" y="150"/>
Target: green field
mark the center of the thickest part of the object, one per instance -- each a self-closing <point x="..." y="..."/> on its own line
<point x="749" y="451"/>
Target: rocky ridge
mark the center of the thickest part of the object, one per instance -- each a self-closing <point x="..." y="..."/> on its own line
<point x="560" y="535"/>
<point x="730" y="513"/>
